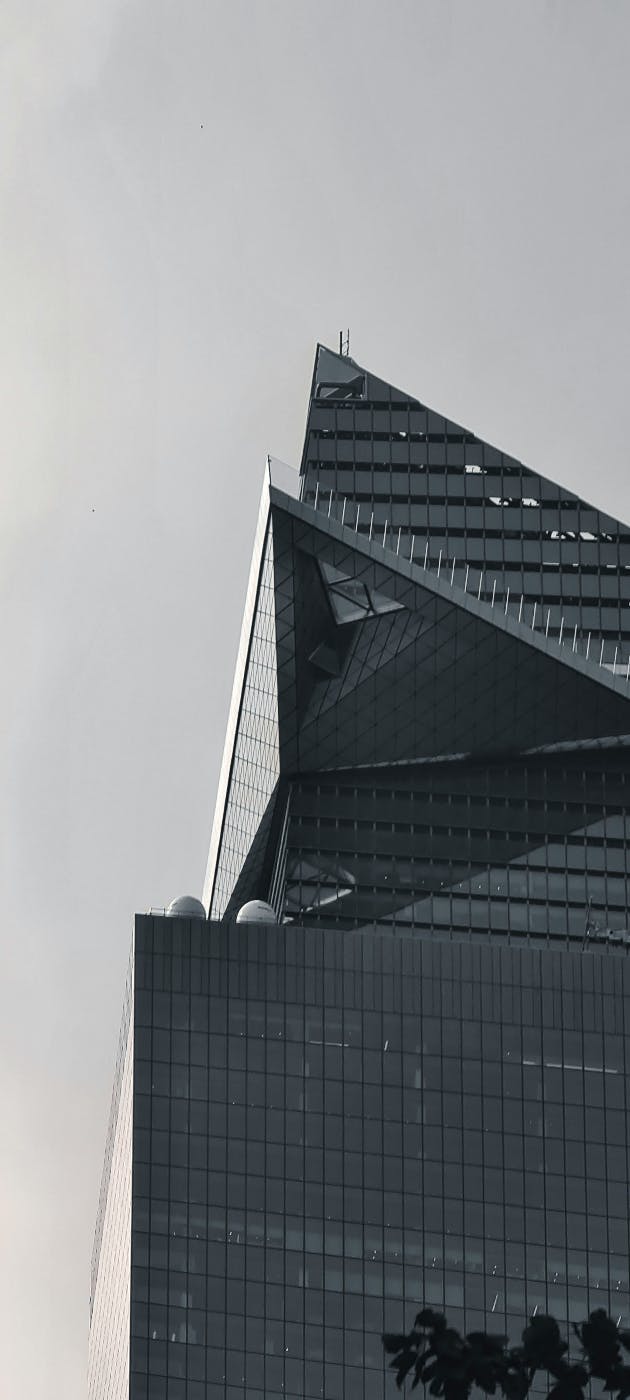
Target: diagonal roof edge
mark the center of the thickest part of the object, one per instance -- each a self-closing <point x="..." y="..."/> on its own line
<point x="237" y="693"/>
<point x="460" y="427"/>
<point x="440" y="585"/>
<point x="452" y="593"/>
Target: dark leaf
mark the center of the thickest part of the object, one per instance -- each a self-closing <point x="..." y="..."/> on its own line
<point x="423" y="1365"/>
<point x="487" y="1341"/>
<point x="448" y="1343"/>
<point x="402" y="1365"/>
<point x="618" y="1380"/>
<point x="430" y="1320"/>
<point x="394" y="1341"/>
<point x="543" y="1346"/>
<point x="600" y="1340"/>
<point x="566" y="1389"/>
<point x="515" y="1384"/>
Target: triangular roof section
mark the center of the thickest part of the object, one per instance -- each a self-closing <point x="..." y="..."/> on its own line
<point x="352" y="382"/>
<point x="458" y="676"/>
<point x="385" y="462"/>
<point x="427" y="598"/>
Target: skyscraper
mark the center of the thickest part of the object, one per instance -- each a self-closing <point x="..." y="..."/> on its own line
<point x="411" y="1087"/>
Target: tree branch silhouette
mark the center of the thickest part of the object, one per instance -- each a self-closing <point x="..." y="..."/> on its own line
<point x="452" y="1366"/>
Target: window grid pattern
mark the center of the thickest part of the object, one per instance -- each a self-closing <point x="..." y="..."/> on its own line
<point x="328" y="1132"/>
<point x="399" y="463"/>
<point x="535" y="846"/>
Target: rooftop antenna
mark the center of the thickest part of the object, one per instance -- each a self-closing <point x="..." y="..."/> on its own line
<point x="344" y="343"/>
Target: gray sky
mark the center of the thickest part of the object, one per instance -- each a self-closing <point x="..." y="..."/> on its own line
<point x="191" y="194"/>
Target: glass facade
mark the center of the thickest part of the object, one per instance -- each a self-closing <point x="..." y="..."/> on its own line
<point x="536" y="846"/>
<point x="452" y="700"/>
<point x="329" y="1131"/>
<point x="110" y="1288"/>
<point x="412" y="1088"/>
<point x="401" y="465"/>
<point x="255" y="764"/>
<point x="250" y="765"/>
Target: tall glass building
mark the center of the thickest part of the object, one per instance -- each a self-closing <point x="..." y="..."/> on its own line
<point x="411" y="1086"/>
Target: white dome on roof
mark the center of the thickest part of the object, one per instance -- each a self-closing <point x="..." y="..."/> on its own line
<point x="186" y="907"/>
<point x="256" y="911"/>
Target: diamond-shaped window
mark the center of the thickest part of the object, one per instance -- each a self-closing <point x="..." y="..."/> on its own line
<point x="353" y="601"/>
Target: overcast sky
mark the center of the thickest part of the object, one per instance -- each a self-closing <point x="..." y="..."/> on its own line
<point x="193" y="193"/>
